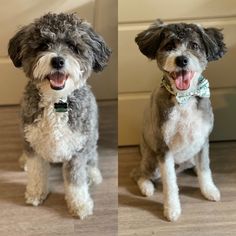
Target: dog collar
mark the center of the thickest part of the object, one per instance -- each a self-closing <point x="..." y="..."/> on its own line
<point x="61" y="106"/>
<point x="183" y="97"/>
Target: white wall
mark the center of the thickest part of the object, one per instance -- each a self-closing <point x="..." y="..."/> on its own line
<point x="138" y="76"/>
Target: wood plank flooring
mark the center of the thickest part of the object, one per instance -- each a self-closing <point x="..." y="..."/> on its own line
<point x="137" y="215"/>
<point x="142" y="216"/>
<point x="52" y="218"/>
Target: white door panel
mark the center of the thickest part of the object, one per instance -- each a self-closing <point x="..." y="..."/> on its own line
<point x="105" y="84"/>
<point x="12" y="82"/>
<point x="148" y="10"/>
<point x="138" y="76"/>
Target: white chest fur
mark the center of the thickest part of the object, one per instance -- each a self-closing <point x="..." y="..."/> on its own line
<point x="185" y="131"/>
<point x="51" y="137"/>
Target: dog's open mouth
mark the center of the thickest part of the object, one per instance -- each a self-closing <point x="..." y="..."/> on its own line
<point x="182" y="79"/>
<point x="57" y="80"/>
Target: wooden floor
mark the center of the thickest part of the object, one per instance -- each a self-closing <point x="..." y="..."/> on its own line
<point x="143" y="216"/>
<point x="137" y="215"/>
<point x="52" y="218"/>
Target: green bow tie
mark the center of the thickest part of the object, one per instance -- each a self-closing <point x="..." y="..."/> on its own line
<point x="182" y="98"/>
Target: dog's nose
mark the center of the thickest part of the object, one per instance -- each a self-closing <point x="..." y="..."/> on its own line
<point x="181" y="61"/>
<point x="57" y="62"/>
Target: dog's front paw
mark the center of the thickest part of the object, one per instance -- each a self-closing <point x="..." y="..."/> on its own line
<point x="211" y="193"/>
<point x="35" y="199"/>
<point x="146" y="187"/>
<point x="94" y="176"/>
<point x="172" y="213"/>
<point x="81" y="209"/>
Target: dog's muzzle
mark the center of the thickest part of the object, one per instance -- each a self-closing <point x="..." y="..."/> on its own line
<point x="57" y="80"/>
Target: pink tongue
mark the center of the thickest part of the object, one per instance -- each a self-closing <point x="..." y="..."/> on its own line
<point x="57" y="79"/>
<point x="182" y="80"/>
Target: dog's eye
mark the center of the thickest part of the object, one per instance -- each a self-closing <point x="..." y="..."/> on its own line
<point x="194" y="46"/>
<point x="72" y="47"/>
<point x="43" y="47"/>
<point x="170" y="46"/>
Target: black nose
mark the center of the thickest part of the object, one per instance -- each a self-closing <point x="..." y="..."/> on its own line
<point x="57" y="62"/>
<point x="181" y="61"/>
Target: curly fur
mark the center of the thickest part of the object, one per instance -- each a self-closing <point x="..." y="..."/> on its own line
<point x="49" y="136"/>
<point x="175" y="134"/>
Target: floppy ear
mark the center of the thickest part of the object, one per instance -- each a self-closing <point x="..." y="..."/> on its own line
<point x="15" y="47"/>
<point x="149" y="40"/>
<point x="214" y="44"/>
<point x="101" y="52"/>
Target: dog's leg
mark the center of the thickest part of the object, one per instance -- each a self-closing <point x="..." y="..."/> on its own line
<point x="94" y="174"/>
<point x="144" y="176"/>
<point x="146" y="186"/>
<point x="172" y="208"/>
<point x="78" y="198"/>
<point x="207" y="186"/>
<point x="148" y="171"/>
<point x="37" y="186"/>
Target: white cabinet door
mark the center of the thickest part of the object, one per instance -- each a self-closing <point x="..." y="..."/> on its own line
<point x="16" y="13"/>
<point x="138" y="76"/>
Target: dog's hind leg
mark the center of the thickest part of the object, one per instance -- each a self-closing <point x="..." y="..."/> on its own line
<point x="146" y="186"/>
<point x="145" y="181"/>
<point x="207" y="186"/>
<point x="148" y="171"/>
<point x="78" y="199"/>
<point x="37" y="185"/>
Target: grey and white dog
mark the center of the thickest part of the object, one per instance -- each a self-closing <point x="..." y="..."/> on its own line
<point x="179" y="118"/>
<point x="58" y="52"/>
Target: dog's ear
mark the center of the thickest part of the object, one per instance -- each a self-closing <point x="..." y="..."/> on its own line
<point x="149" y="40"/>
<point x="213" y="42"/>
<point x="101" y="52"/>
<point x="15" y="47"/>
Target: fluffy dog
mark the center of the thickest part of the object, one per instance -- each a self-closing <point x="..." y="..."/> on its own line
<point x="179" y="118"/>
<point x="58" y="52"/>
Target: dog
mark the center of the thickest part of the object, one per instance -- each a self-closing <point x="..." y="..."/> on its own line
<point x="58" y="52"/>
<point x="178" y="119"/>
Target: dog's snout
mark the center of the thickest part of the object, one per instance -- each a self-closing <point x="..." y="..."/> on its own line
<point x="181" y="61"/>
<point x="57" y="62"/>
